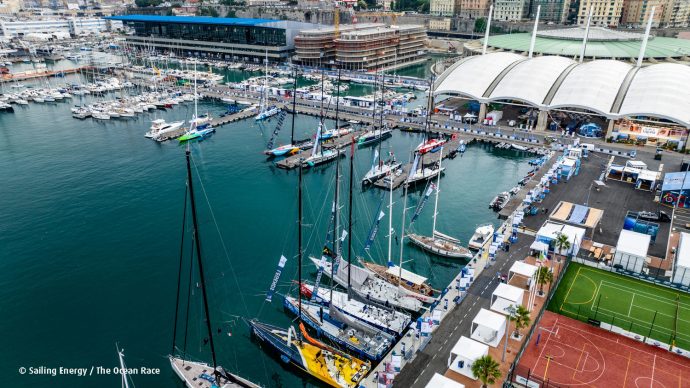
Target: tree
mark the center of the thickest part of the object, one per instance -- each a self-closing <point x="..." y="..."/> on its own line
<point x="147" y="3"/>
<point x="231" y="14"/>
<point x="486" y="369"/>
<point x="562" y="243"/>
<point x="207" y="11"/>
<point x="521" y="319"/>
<point x="544" y="275"/>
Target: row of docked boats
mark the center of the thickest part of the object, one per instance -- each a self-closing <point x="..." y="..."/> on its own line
<point x="130" y="106"/>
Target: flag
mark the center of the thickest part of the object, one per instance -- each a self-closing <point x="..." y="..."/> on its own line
<point x="276" y="277"/>
<point x="374" y="230"/>
<point x="342" y="237"/>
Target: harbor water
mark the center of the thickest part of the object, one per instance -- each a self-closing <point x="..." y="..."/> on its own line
<point x="91" y="225"/>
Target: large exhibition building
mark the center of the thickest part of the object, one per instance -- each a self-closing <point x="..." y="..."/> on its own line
<point x="646" y="102"/>
<point x="223" y="38"/>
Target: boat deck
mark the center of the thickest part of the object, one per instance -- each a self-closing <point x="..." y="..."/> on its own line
<point x="192" y="372"/>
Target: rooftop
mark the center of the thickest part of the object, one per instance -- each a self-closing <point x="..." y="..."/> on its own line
<point x="192" y="20"/>
<point x="596" y="34"/>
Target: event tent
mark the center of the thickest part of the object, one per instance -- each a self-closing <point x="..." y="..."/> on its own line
<point x="631" y="250"/>
<point x="465" y="352"/>
<point x="488" y="327"/>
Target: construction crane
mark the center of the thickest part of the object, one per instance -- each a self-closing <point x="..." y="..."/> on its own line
<point x="349" y="5"/>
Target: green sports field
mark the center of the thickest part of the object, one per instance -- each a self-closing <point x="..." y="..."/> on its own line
<point x="643" y="308"/>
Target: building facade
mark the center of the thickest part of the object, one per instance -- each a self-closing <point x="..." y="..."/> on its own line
<point x="72" y="26"/>
<point x="473" y="9"/>
<point x="637" y="12"/>
<point x="440" y="24"/>
<point x="387" y="47"/>
<point x="676" y="13"/>
<point x="511" y="10"/>
<point x="224" y="38"/>
<point x="316" y="47"/>
<point x="443" y="7"/>
<point x="551" y="10"/>
<point x="607" y="13"/>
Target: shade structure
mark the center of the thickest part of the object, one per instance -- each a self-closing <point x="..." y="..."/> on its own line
<point x="465" y="352"/>
<point x="488" y="327"/>
<point x="613" y="89"/>
<point x="440" y="381"/>
<point x="550" y="231"/>
<point x="506" y="296"/>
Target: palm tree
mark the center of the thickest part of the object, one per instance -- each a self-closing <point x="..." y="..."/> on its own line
<point x="521" y="318"/>
<point x="562" y="243"/>
<point x="486" y="369"/>
<point x="544" y="275"/>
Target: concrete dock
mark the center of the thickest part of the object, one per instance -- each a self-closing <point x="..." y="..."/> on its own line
<point x="339" y="142"/>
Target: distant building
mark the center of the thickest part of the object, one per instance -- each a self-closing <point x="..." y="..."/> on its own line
<point x="224" y="38"/>
<point x="473" y="9"/>
<point x="636" y="12"/>
<point x="8" y="7"/>
<point x="551" y="10"/>
<point x="511" y="10"/>
<point x="443" y="7"/>
<point x="607" y="13"/>
<point x="362" y="46"/>
<point x="440" y="24"/>
<point x="676" y="13"/>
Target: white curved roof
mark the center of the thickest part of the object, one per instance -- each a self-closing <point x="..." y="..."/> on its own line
<point x="661" y="90"/>
<point x="597" y="81"/>
<point x="611" y="88"/>
<point x="476" y="73"/>
<point x="531" y="80"/>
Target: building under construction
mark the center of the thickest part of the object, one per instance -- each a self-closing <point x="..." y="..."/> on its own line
<point x="362" y="46"/>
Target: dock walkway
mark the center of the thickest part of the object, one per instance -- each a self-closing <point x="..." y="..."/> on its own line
<point x="339" y="142"/>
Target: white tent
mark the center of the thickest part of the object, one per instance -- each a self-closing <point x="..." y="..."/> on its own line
<point x="488" y="327"/>
<point x="550" y="231"/>
<point x="523" y="269"/>
<point x="539" y="246"/>
<point x="440" y="381"/>
<point x="505" y="296"/>
<point x="465" y="352"/>
<point x="681" y="271"/>
<point x="631" y="250"/>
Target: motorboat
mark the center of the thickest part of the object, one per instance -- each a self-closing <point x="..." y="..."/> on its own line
<point x="481" y="235"/>
<point x="500" y="201"/>
<point x="160" y="127"/>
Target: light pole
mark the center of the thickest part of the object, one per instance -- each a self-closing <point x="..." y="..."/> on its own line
<point x="511" y="312"/>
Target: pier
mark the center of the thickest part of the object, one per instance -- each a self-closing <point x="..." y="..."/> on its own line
<point x="34" y="74"/>
<point x="337" y="143"/>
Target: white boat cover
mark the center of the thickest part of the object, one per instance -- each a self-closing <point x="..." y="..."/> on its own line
<point x="358" y="275"/>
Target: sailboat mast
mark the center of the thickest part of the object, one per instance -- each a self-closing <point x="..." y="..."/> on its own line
<point x="321" y="116"/>
<point x="336" y="222"/>
<point x="195" y="95"/>
<point x="337" y="103"/>
<point x="429" y="108"/>
<point x="299" y="242"/>
<point x="438" y="190"/>
<point x="294" y="108"/>
<point x="402" y="237"/>
<point x="390" y="219"/>
<point x="199" y="262"/>
<point x="349" y="216"/>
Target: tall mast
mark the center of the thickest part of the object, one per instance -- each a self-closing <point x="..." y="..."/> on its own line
<point x="402" y="237"/>
<point x="380" y="126"/>
<point x="321" y="118"/>
<point x="390" y="219"/>
<point x="199" y="262"/>
<point x="430" y="106"/>
<point x="336" y="221"/>
<point x="376" y="85"/>
<point x="438" y="190"/>
<point x="195" y="95"/>
<point x="299" y="242"/>
<point x="349" y="216"/>
<point x="294" y="108"/>
<point x="337" y="103"/>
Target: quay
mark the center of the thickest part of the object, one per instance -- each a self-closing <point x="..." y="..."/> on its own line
<point x="33" y="74"/>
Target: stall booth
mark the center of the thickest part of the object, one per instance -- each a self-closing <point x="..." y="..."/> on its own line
<point x="440" y="381"/>
<point x="465" y="352"/>
<point x="648" y="180"/>
<point x="569" y="168"/>
<point x="675" y="189"/>
<point x="506" y="297"/>
<point x="632" y="170"/>
<point x="577" y="215"/>
<point x="550" y="231"/>
<point x="631" y="251"/>
<point x="488" y="327"/>
<point x="681" y="269"/>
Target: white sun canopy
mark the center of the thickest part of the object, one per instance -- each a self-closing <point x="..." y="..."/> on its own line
<point x="611" y="88"/>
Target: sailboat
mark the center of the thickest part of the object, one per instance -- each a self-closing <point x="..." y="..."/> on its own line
<point x="419" y="172"/>
<point x="360" y="338"/>
<point x="123" y="369"/>
<point x="266" y="111"/>
<point x="438" y="243"/>
<point x="319" y="155"/>
<point x="291" y="148"/>
<point x="379" y="168"/>
<point x="199" y="127"/>
<point x="329" y="365"/>
<point x="408" y="282"/>
<point x="376" y="135"/>
<point x="193" y="373"/>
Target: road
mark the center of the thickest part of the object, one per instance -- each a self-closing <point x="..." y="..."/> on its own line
<point x="434" y="358"/>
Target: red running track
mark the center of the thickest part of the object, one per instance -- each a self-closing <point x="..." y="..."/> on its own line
<point x="571" y="353"/>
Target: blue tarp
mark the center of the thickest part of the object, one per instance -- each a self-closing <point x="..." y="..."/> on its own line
<point x="578" y="215"/>
<point x="676" y="181"/>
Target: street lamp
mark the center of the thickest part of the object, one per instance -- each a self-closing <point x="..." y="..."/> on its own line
<point x="511" y="313"/>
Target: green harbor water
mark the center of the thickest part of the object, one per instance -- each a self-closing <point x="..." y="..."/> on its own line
<point x="90" y="238"/>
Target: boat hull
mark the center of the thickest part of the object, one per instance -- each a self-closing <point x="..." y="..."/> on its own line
<point x="421" y="242"/>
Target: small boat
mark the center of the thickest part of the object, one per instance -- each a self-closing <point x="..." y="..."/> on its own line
<point x="100" y="116"/>
<point x="333" y="133"/>
<point x="287" y="149"/>
<point x="431" y="145"/>
<point x="266" y="113"/>
<point x="518" y="147"/>
<point x="373" y="136"/>
<point x="500" y="201"/>
<point x="482" y="234"/>
<point x="196" y="133"/>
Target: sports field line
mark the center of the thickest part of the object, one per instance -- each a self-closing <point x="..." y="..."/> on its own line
<point x="685" y="366"/>
<point x="637" y="282"/>
<point x="647" y="294"/>
<point x="571" y="287"/>
<point x="658" y="329"/>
